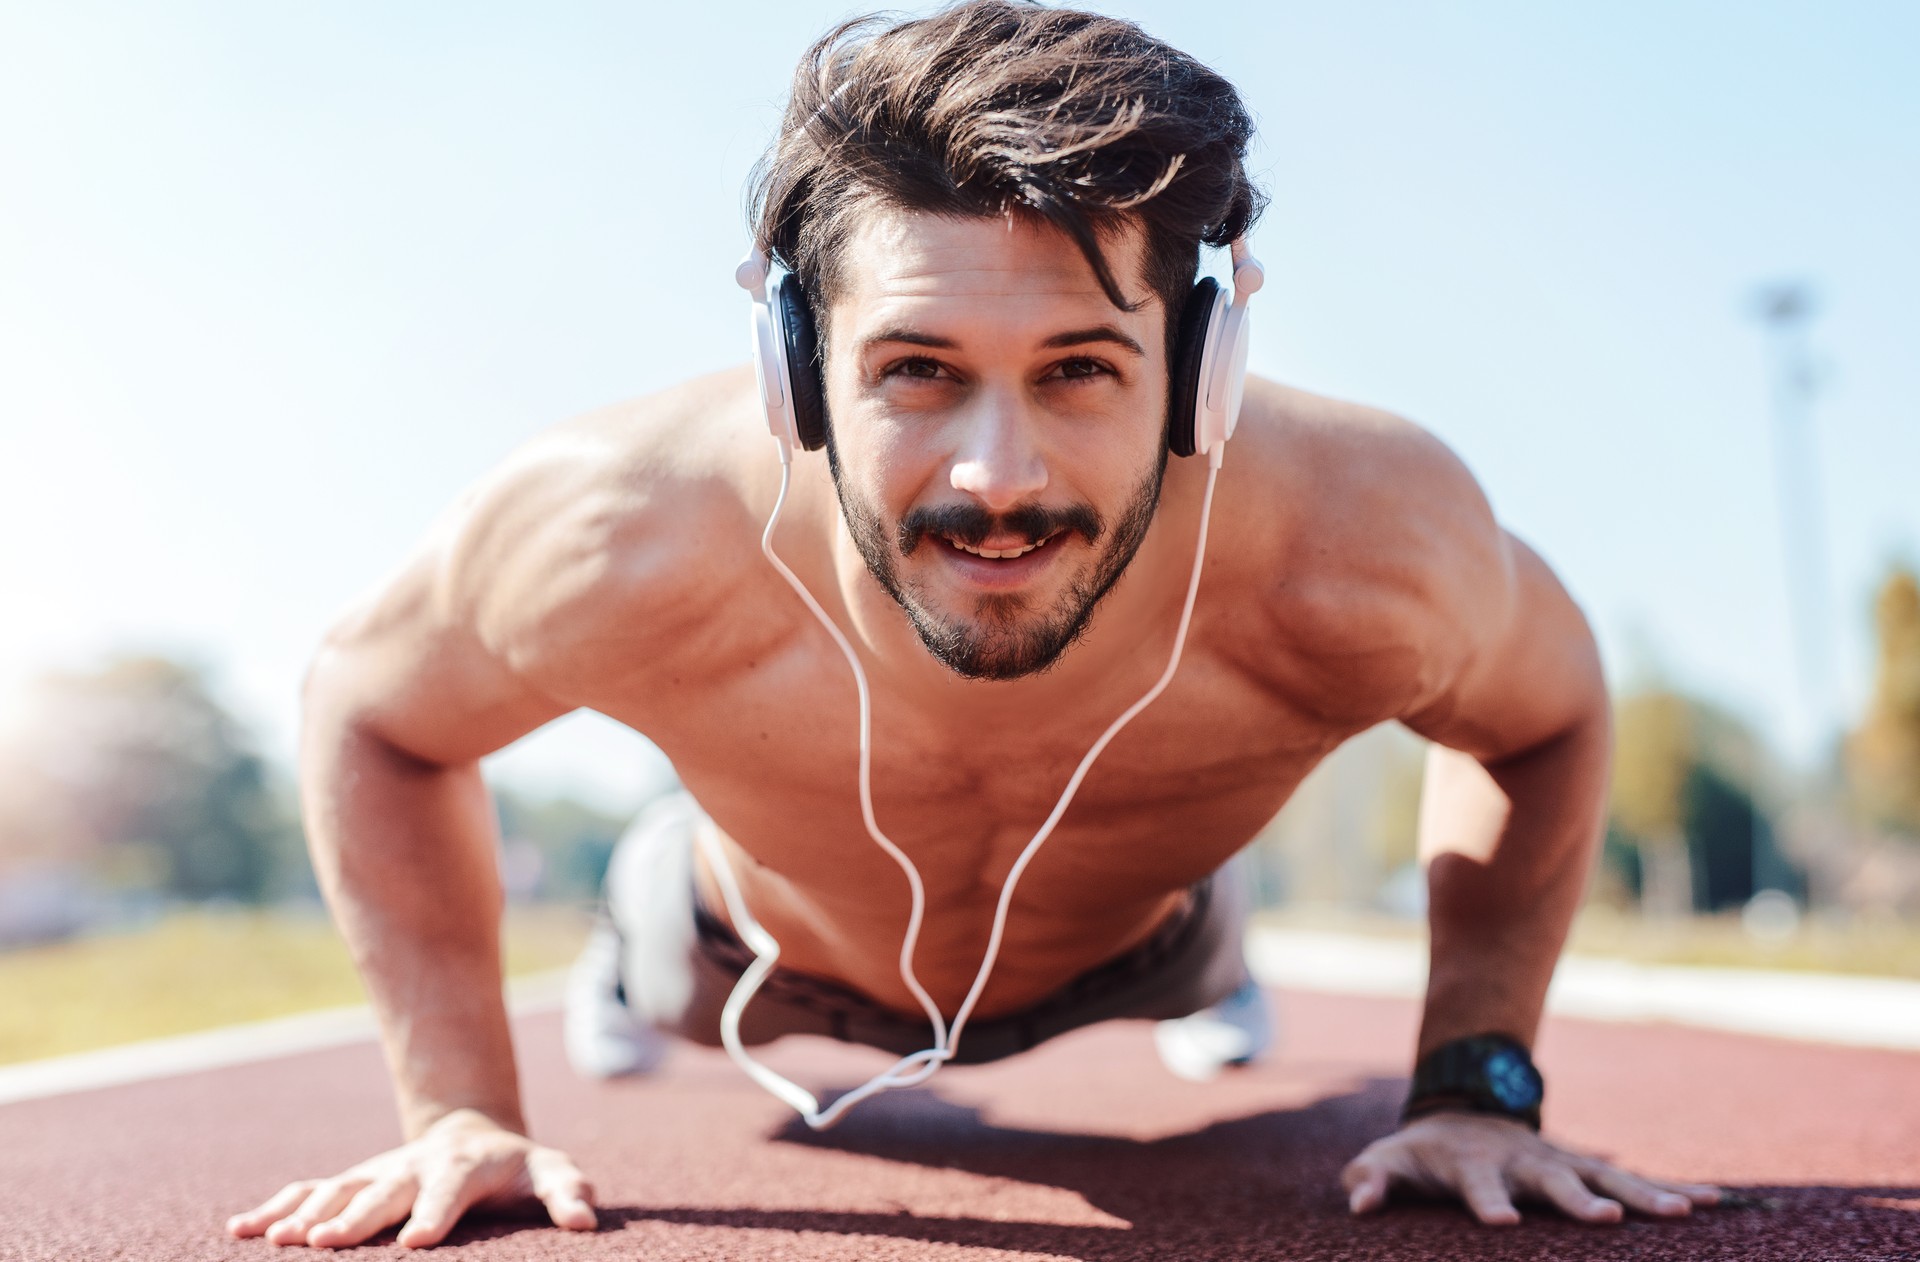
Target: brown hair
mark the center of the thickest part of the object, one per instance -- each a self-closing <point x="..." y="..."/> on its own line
<point x="994" y="107"/>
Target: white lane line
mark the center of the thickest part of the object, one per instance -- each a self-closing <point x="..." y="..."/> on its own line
<point x="1814" y="1007"/>
<point x="230" y="1045"/>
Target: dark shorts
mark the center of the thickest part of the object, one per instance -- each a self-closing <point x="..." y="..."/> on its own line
<point x="679" y="962"/>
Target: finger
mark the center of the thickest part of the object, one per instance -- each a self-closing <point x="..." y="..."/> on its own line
<point x="1366" y="1180"/>
<point x="439" y="1206"/>
<point x="374" y="1208"/>
<point x="1485" y="1193"/>
<point x="565" y="1192"/>
<point x="271" y="1210"/>
<point x="1698" y="1193"/>
<point x="1638" y="1193"/>
<point x="1560" y="1185"/>
<point x="321" y="1204"/>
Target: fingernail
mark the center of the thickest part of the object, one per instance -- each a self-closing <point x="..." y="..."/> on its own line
<point x="1673" y="1204"/>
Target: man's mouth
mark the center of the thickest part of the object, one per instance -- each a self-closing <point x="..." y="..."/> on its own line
<point x="995" y="554"/>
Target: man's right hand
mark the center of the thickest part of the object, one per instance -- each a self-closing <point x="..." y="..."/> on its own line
<point x="463" y="1160"/>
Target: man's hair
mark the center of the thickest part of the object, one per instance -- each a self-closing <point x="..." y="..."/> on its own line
<point x="998" y="107"/>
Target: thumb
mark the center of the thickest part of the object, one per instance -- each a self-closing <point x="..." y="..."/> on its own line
<point x="566" y="1194"/>
<point x="1366" y="1180"/>
<point x="573" y="1212"/>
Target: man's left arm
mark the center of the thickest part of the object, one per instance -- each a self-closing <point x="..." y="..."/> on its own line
<point x="1510" y="821"/>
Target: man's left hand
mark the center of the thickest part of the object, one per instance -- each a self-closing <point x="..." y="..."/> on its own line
<point x="1489" y="1162"/>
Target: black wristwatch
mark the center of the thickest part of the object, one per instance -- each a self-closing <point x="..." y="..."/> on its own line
<point x="1486" y="1073"/>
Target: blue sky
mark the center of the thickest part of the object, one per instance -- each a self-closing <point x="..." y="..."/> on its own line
<point x="276" y="282"/>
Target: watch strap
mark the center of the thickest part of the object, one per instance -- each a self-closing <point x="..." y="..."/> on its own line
<point x="1483" y="1073"/>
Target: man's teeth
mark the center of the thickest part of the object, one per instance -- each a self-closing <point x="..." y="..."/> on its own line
<point x="998" y="553"/>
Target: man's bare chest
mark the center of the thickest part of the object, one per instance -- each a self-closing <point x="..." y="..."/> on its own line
<point x="772" y="753"/>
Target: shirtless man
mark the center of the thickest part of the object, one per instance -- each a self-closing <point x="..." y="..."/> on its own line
<point x="997" y="213"/>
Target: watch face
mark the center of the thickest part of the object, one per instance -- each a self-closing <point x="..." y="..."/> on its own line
<point x="1513" y="1082"/>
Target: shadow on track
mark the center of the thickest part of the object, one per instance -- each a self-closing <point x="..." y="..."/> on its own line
<point x="1267" y="1185"/>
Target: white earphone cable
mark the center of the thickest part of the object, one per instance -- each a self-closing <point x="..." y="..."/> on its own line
<point x="918" y="1067"/>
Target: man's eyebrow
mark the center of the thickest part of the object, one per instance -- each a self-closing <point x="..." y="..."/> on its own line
<point x="912" y="337"/>
<point x="1076" y="337"/>
<point x="1098" y="333"/>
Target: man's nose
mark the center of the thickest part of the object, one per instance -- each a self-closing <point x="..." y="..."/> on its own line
<point x="998" y="462"/>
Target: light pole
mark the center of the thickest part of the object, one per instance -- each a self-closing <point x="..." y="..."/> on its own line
<point x="1785" y="309"/>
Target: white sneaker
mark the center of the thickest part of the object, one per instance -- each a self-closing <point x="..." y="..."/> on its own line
<point x="603" y="1038"/>
<point x="1236" y="1031"/>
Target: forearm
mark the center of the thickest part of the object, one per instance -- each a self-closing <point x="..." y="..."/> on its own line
<point x="404" y="853"/>
<point x="1508" y="849"/>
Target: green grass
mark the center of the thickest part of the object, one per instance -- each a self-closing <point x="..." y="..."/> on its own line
<point x="1885" y="947"/>
<point x="196" y="969"/>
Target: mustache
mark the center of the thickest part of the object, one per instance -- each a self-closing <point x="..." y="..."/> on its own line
<point x="971" y="524"/>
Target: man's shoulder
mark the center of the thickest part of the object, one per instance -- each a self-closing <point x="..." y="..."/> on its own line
<point x="610" y="532"/>
<point x="1383" y="555"/>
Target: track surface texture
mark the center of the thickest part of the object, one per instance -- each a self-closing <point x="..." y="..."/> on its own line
<point x="1083" y="1149"/>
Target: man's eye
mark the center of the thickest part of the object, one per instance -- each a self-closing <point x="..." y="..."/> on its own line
<point x="1081" y="369"/>
<point x="919" y="369"/>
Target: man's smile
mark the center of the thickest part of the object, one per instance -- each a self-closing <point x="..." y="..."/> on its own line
<point x="1001" y="562"/>
<point x="996" y="549"/>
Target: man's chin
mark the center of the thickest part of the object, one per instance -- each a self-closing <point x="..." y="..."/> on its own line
<point x="993" y="664"/>
<point x="1000" y="644"/>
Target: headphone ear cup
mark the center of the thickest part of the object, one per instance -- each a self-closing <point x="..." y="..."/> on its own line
<point x="1189" y="357"/>
<point x="803" y="363"/>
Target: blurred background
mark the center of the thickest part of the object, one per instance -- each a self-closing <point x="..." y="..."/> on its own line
<point x="276" y="282"/>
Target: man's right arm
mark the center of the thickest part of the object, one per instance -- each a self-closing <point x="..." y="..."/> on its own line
<point x="406" y="695"/>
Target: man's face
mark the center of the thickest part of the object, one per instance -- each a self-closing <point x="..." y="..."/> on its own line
<point x="997" y="429"/>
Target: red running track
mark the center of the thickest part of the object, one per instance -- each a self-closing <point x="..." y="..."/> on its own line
<point x="1084" y="1149"/>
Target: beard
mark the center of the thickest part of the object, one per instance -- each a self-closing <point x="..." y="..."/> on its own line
<point x="1007" y="637"/>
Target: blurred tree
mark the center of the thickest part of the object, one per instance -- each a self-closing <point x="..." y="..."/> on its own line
<point x="136" y="772"/>
<point x="1616" y="878"/>
<point x="1730" y="845"/>
<point x="1686" y="832"/>
<point x="1883" y="755"/>
<point x="1654" y="752"/>
<point x="573" y="840"/>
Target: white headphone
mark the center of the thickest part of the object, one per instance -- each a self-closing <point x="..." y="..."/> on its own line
<point x="1210" y="368"/>
<point x="1207" y="372"/>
